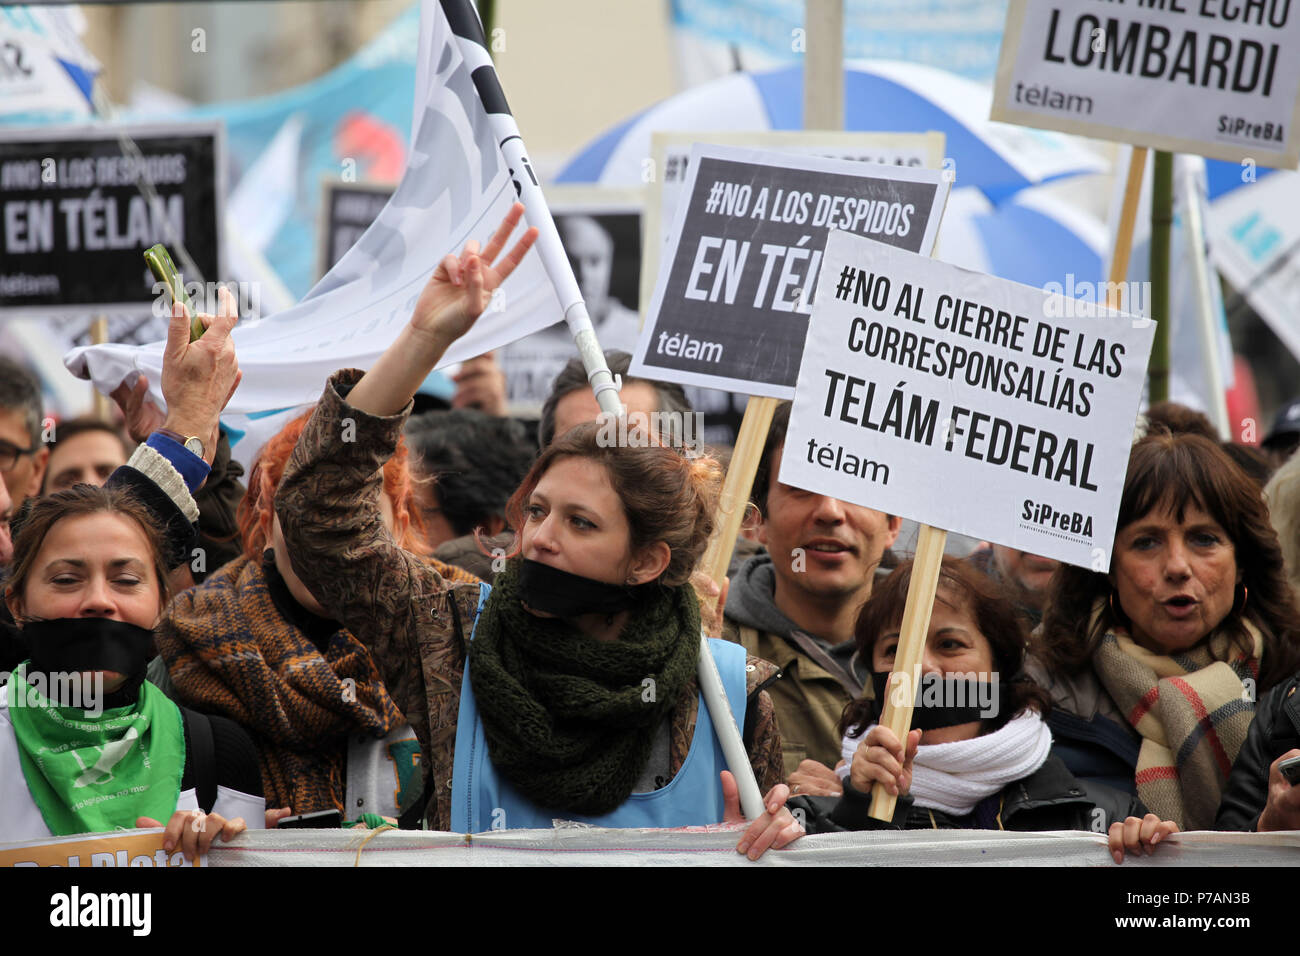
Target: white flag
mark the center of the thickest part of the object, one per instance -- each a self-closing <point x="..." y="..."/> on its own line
<point x="457" y="186"/>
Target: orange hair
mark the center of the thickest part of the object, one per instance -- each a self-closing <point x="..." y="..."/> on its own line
<point x="257" y="509"/>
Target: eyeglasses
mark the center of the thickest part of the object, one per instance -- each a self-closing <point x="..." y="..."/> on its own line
<point x="10" y="453"/>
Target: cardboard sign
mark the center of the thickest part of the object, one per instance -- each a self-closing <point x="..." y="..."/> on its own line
<point x="967" y="402"/>
<point x="128" y="848"/>
<point x="731" y="306"/>
<point x="1216" y="77"/>
<point x="74" y="223"/>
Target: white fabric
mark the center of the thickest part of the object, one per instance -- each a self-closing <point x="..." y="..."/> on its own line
<point x="954" y="777"/>
<point x="581" y="846"/>
<point x="456" y="187"/>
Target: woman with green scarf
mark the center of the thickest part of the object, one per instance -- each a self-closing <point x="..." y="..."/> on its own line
<point x="87" y="744"/>
<point x="566" y="691"/>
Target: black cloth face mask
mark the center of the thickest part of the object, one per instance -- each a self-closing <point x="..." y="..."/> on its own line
<point x="552" y="591"/>
<point x="993" y="693"/>
<point x="70" y="645"/>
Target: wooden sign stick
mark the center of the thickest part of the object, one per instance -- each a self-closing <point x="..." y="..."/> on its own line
<point x="734" y="499"/>
<point x="905" y="679"/>
<point x="1137" y="165"/>
<point x="103" y="408"/>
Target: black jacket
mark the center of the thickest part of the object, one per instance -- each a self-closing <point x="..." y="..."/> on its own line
<point x="1274" y="731"/>
<point x="1050" y="798"/>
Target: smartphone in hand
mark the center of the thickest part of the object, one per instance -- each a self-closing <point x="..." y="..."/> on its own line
<point x="1290" y="770"/>
<point x="164" y="270"/>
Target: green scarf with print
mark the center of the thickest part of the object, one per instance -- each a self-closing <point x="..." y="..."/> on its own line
<point x="92" y="774"/>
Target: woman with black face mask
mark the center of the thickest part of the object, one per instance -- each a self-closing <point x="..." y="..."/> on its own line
<point x="978" y="754"/>
<point x="86" y="743"/>
<point x="568" y="689"/>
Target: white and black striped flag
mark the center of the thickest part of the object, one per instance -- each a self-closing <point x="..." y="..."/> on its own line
<point x="465" y="167"/>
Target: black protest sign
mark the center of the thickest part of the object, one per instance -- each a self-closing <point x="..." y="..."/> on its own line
<point x="348" y="211"/>
<point x="731" y="310"/>
<point x="75" y="219"/>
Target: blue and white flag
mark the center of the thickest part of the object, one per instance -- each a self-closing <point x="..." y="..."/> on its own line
<point x="457" y="186"/>
<point x="46" y="73"/>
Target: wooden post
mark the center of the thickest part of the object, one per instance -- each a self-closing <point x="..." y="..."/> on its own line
<point x="905" y="679"/>
<point x="101" y="405"/>
<point x="1162" y="218"/>
<point x="734" y="500"/>
<point x="1137" y="165"/>
<point x="823" y="64"/>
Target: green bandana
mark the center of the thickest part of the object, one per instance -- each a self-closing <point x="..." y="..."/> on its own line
<point x="96" y="774"/>
<point x="570" y="720"/>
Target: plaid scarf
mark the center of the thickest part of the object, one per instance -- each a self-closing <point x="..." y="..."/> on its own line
<point x="1192" y="711"/>
<point x="230" y="650"/>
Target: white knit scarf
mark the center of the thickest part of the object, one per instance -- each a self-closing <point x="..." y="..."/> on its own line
<point x="955" y="777"/>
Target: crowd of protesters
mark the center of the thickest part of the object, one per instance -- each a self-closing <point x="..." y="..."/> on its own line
<point x="421" y="622"/>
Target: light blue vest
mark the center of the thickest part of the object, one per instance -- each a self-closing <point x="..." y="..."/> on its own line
<point x="482" y="800"/>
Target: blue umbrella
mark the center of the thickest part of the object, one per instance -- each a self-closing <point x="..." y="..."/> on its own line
<point x="880" y="96"/>
<point x="1033" y="238"/>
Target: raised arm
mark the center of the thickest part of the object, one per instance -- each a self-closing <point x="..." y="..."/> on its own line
<point x="328" y="499"/>
<point x="454" y="298"/>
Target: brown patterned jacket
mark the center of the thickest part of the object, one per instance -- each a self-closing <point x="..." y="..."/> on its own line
<point x="415" y="622"/>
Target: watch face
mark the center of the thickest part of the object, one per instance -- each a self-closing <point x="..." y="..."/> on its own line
<point x="194" y="446"/>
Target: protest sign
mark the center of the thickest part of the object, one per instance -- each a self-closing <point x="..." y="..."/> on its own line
<point x="1196" y="76"/>
<point x="128" y="848"/>
<point x="671" y="158"/>
<point x="347" y="210"/>
<point x="75" y="218"/>
<point x="671" y="153"/>
<point x="967" y="402"/>
<point x="731" y="304"/>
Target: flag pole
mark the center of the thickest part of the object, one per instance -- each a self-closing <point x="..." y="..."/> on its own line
<point x="465" y="25"/>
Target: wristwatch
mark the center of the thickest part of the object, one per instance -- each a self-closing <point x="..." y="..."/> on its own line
<point x="193" y="444"/>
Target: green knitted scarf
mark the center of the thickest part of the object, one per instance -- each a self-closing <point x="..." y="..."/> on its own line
<point x="569" y="720"/>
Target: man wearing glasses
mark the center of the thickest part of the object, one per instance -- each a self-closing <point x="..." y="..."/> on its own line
<point x="22" y="453"/>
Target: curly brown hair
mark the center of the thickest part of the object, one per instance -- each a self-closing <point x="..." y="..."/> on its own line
<point x="256" y="510"/>
<point x="666" y="495"/>
<point x="1168" y="473"/>
<point x="960" y="585"/>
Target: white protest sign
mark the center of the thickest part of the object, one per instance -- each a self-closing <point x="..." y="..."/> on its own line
<point x="1216" y="77"/>
<point x="730" y="307"/>
<point x="671" y="155"/>
<point x="967" y="402"/>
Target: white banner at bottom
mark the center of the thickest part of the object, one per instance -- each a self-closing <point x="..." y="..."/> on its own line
<point x="585" y="846"/>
